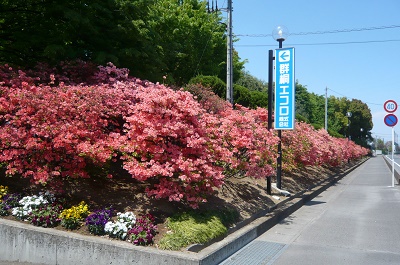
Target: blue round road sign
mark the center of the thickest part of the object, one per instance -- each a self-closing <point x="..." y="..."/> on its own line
<point x="390" y="120"/>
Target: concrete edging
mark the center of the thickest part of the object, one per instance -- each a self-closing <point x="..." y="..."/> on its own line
<point x="27" y="243"/>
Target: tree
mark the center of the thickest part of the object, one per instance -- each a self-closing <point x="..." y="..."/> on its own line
<point x="153" y="38"/>
<point x="380" y="144"/>
<point x="361" y="122"/>
<point x="51" y="31"/>
<point x="309" y="106"/>
<point x="251" y="82"/>
<point x="303" y="108"/>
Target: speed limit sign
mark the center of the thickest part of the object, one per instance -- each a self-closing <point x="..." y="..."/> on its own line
<point x="390" y="106"/>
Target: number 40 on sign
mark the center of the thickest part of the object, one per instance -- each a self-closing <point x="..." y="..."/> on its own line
<point x="390" y="106"/>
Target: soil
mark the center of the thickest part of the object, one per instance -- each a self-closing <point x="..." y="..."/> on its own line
<point x="246" y="196"/>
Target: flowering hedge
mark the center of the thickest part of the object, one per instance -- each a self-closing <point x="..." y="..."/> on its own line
<point x="307" y="146"/>
<point x="57" y="122"/>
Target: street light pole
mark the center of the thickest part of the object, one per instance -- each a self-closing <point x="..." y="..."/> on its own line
<point x="348" y="115"/>
<point x="270" y="102"/>
<point x="270" y="86"/>
<point x="279" y="34"/>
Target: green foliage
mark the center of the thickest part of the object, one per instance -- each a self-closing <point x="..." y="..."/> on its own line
<point x="53" y="32"/>
<point x="215" y="83"/>
<point x="310" y="108"/>
<point x="317" y="126"/>
<point x="334" y="133"/>
<point x="153" y="38"/>
<point x="251" y="82"/>
<point x="258" y="99"/>
<point x="309" y="105"/>
<point x="238" y="66"/>
<point x="249" y="98"/>
<point x="195" y="227"/>
<point x="300" y="118"/>
<point x="3" y="209"/>
<point x="241" y="95"/>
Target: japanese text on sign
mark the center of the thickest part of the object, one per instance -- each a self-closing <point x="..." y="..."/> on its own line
<point x="284" y="89"/>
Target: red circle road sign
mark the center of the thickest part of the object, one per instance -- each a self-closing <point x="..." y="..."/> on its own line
<point x="390" y="106"/>
<point x="390" y="120"/>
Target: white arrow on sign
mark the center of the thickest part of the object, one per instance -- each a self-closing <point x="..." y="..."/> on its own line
<point x="284" y="56"/>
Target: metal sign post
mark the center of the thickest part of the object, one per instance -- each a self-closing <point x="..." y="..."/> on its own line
<point x="391" y="121"/>
<point x="393" y="156"/>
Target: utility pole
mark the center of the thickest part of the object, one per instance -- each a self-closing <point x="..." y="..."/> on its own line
<point x="229" y="62"/>
<point x="326" y="109"/>
<point x="229" y="47"/>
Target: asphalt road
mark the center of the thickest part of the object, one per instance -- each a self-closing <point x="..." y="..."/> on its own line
<point x="353" y="222"/>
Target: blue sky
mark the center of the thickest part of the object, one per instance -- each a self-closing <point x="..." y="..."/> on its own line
<point x="368" y="70"/>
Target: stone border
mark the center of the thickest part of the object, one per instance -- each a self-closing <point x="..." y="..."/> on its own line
<point x="27" y="243"/>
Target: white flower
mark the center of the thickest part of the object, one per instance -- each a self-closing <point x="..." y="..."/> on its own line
<point x="120" y="227"/>
<point x="28" y="203"/>
<point x="108" y="227"/>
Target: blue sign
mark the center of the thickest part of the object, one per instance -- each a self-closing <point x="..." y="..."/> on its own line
<point x="284" y="89"/>
<point x="390" y="120"/>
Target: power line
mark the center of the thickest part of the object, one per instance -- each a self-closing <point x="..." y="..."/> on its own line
<point x="320" y="43"/>
<point x="324" y="32"/>
<point x="353" y="98"/>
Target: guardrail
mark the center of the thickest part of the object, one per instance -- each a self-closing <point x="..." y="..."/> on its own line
<point x="388" y="160"/>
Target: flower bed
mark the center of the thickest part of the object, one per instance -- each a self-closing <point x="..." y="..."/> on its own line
<point x="46" y="210"/>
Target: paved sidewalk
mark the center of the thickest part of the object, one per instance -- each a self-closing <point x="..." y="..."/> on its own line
<point x="352" y="222"/>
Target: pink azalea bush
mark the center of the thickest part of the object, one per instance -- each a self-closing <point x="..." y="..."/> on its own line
<point x="307" y="146"/>
<point x="55" y="126"/>
<point x="241" y="135"/>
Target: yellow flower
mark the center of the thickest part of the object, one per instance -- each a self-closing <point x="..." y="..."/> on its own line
<point x="75" y="212"/>
<point x="3" y="191"/>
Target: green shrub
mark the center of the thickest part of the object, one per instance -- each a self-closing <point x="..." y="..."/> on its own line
<point x="217" y="85"/>
<point x="241" y="95"/>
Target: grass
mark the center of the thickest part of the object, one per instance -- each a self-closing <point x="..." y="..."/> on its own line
<point x="196" y="227"/>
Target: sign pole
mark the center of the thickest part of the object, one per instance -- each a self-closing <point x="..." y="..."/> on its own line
<point x="393" y="156"/>
<point x="270" y="102"/>
<point x="391" y="121"/>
